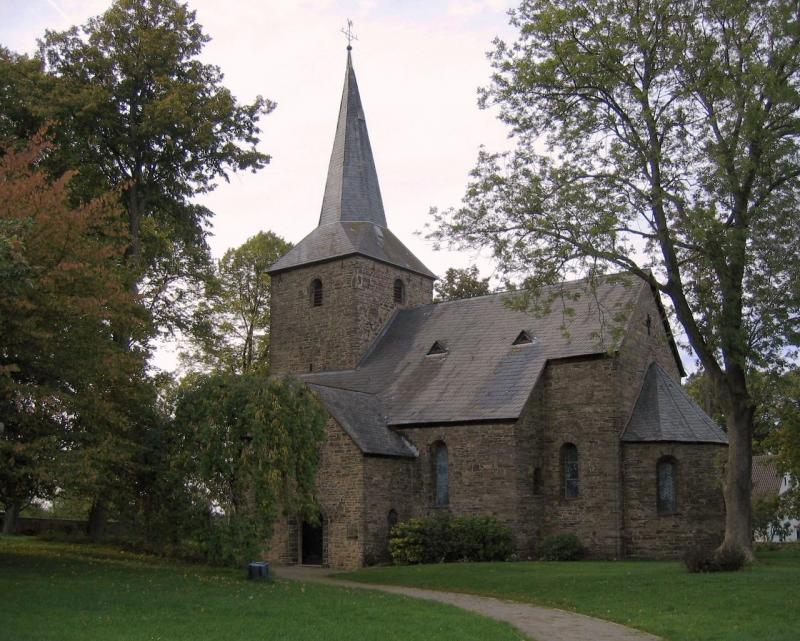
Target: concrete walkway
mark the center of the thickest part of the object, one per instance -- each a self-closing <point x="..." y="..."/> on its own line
<point x="543" y="624"/>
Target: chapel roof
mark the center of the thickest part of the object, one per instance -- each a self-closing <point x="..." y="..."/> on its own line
<point x="352" y="219"/>
<point x="482" y="376"/>
<point x="665" y="412"/>
<point x="361" y="416"/>
<point x="340" y="239"/>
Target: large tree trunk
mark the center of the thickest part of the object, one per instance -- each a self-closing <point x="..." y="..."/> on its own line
<point x="98" y="515"/>
<point x="738" y="475"/>
<point x="10" y="519"/>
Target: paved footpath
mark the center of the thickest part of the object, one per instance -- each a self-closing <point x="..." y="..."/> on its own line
<point x="543" y="624"/>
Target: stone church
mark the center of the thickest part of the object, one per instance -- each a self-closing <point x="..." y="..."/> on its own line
<point x="550" y="423"/>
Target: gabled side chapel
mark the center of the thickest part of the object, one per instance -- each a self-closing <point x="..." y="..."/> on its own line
<point x="473" y="408"/>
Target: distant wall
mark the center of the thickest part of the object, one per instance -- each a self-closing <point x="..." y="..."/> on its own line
<point x="29" y="525"/>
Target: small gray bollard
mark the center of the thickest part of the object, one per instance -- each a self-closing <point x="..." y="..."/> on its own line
<point x="258" y="570"/>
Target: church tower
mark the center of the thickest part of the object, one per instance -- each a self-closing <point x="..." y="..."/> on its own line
<point x="334" y="291"/>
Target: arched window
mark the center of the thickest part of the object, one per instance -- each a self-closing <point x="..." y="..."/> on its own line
<point x="440" y="474"/>
<point x="569" y="470"/>
<point x="391" y="520"/>
<point x="665" y="471"/>
<point x="316" y="292"/>
<point x="399" y="292"/>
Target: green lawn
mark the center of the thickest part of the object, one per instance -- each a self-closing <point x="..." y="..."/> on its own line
<point x="66" y="592"/>
<point x="760" y="603"/>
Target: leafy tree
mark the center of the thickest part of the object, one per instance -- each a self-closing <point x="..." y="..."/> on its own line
<point x="771" y="393"/>
<point x="231" y="331"/>
<point x="460" y="283"/>
<point x="136" y="110"/>
<point x="252" y="450"/>
<point x="785" y="440"/>
<point x="22" y="86"/>
<point x="671" y="131"/>
<point x="61" y="291"/>
<point x="772" y="516"/>
<point x="160" y="507"/>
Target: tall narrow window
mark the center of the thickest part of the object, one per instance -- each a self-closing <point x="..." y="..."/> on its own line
<point x="316" y="292"/>
<point x="399" y="291"/>
<point x="391" y="520"/>
<point x="440" y="474"/>
<point x="665" y="471"/>
<point x="537" y="480"/>
<point x="569" y="468"/>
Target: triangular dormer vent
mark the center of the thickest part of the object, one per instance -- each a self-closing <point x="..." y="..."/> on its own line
<point x="524" y="338"/>
<point x="437" y="348"/>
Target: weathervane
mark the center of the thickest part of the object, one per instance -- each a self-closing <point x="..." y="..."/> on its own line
<point x="349" y="34"/>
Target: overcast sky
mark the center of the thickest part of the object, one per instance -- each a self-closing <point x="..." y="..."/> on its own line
<point x="418" y="62"/>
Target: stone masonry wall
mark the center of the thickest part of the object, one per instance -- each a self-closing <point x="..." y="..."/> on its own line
<point x="389" y="484"/>
<point x="530" y="462"/>
<point x="340" y="492"/>
<point x="700" y="516"/>
<point x="358" y="299"/>
<point x="581" y="408"/>
<point x="282" y="545"/>
<point x="482" y="472"/>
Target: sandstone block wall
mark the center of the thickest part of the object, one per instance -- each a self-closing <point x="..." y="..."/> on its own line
<point x="340" y="493"/>
<point x="282" y="546"/>
<point x="580" y="407"/>
<point x="358" y="299"/>
<point x="483" y="472"/>
<point x="699" y="519"/>
<point x="389" y="484"/>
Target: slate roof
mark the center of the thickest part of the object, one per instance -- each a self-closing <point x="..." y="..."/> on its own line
<point x="665" y="412"/>
<point x="352" y="191"/>
<point x="352" y="219"/>
<point x="766" y="478"/>
<point x="336" y="240"/>
<point x="482" y="376"/>
<point x="362" y="418"/>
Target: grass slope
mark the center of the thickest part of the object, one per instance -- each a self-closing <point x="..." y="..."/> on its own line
<point x="760" y="603"/>
<point x="66" y="592"/>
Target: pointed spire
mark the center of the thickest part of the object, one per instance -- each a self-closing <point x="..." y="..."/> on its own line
<point x="352" y="192"/>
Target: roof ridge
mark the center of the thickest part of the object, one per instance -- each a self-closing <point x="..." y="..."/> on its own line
<point x="500" y="292"/>
<point x="340" y="239"/>
<point x="643" y="382"/>
<point x="343" y="389"/>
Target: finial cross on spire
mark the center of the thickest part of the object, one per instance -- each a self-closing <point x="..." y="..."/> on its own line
<point x="349" y="34"/>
